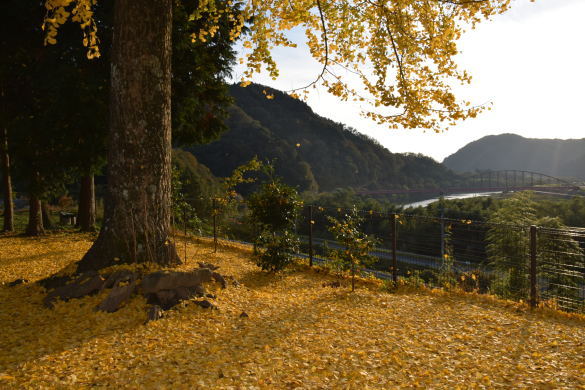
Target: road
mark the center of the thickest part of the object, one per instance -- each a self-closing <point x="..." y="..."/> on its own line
<point x="409" y="258"/>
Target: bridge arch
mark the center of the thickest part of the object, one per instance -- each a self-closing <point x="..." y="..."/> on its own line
<point x="493" y="181"/>
<point x="512" y="179"/>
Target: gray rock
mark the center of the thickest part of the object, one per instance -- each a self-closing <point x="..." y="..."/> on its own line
<point x="84" y="285"/>
<point x="184" y="293"/>
<point x="17" y="282"/>
<point x="116" y="297"/>
<point x="219" y="279"/>
<point x="118" y="277"/>
<point x="165" y="280"/>
<point x="154" y="313"/>
<point x="203" y="264"/>
<point x="166" y="298"/>
<point x="205" y="304"/>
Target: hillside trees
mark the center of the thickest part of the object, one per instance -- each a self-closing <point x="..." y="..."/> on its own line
<point x="311" y="152"/>
<point x="411" y="41"/>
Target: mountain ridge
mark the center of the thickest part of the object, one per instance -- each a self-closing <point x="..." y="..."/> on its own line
<point x="312" y="152"/>
<point x="555" y="157"/>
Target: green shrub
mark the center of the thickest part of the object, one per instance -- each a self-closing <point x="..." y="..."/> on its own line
<point x="274" y="209"/>
<point x="275" y="251"/>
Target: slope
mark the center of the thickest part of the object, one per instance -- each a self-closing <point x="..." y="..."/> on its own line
<point x="296" y="334"/>
<point x="312" y="152"/>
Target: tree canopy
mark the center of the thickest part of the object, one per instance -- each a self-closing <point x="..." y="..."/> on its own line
<point x="410" y="41"/>
<point x="408" y="47"/>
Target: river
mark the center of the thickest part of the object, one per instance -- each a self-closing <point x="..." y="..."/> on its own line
<point x="427" y="202"/>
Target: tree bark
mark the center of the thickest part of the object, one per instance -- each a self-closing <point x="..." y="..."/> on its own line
<point x="137" y="212"/>
<point x="7" y="183"/>
<point x="46" y="214"/>
<point x="86" y="211"/>
<point x="35" y="217"/>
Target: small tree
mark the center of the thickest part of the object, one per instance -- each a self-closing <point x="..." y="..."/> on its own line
<point x="559" y="259"/>
<point x="356" y="244"/>
<point x="447" y="277"/>
<point x="274" y="210"/>
<point x="508" y="249"/>
<point x="508" y="245"/>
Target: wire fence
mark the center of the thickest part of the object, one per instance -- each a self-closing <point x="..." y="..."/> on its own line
<point x="535" y="264"/>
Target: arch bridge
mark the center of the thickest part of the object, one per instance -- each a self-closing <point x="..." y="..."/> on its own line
<point x="494" y="181"/>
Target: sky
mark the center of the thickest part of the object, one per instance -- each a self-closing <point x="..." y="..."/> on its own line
<point x="529" y="62"/>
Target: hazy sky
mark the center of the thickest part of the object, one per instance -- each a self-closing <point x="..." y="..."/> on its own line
<point x="529" y="62"/>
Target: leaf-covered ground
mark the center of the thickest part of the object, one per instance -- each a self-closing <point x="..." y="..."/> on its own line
<point x="298" y="334"/>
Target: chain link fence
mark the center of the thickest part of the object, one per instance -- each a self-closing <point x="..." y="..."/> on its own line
<point x="529" y="263"/>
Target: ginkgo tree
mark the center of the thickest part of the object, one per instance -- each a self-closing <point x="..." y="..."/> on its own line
<point x="408" y="47"/>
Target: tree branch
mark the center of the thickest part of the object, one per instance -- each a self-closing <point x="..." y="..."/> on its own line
<point x="324" y="27"/>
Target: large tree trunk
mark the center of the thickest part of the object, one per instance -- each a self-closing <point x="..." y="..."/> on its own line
<point x="46" y="213"/>
<point x="86" y="211"/>
<point x="35" y="217"/>
<point x="7" y="183"/>
<point x="137" y="211"/>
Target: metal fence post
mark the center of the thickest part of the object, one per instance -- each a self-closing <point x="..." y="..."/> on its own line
<point x="214" y="225"/>
<point x="311" y="235"/>
<point x="394" y="260"/>
<point x="442" y="219"/>
<point x="185" y="231"/>
<point x="533" y="282"/>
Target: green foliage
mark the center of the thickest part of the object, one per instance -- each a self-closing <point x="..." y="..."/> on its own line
<point x="200" y="94"/>
<point x="559" y="258"/>
<point x="184" y="214"/>
<point x="195" y="182"/>
<point x="508" y="249"/>
<point x="240" y="175"/>
<point x="274" y="210"/>
<point x="227" y="204"/>
<point x="447" y="278"/>
<point x="275" y="251"/>
<point x="356" y="245"/>
<point x="508" y="245"/>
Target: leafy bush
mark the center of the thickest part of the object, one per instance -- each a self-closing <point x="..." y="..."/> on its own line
<point x="274" y="210"/>
<point x="429" y="276"/>
<point x="276" y="250"/>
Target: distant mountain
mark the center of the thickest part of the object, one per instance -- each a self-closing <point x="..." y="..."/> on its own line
<point x="312" y="152"/>
<point x="560" y="158"/>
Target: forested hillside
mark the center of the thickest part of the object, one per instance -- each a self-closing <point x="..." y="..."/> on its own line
<point x="562" y="158"/>
<point x="311" y="152"/>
